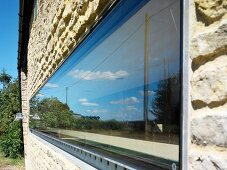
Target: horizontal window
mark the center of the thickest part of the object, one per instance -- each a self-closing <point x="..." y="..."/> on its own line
<point x="119" y="91"/>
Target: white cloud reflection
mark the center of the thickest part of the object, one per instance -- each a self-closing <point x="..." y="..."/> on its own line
<point x="51" y="85"/>
<point x="131" y="108"/>
<point x="129" y="100"/>
<point x="85" y="102"/>
<point x="40" y="95"/>
<point x="95" y="111"/>
<point x="98" y="75"/>
<point x="150" y="93"/>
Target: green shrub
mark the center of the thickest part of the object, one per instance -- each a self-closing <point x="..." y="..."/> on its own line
<point x="11" y="143"/>
<point x="10" y="131"/>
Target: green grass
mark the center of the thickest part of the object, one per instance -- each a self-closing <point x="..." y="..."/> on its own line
<point x="11" y="164"/>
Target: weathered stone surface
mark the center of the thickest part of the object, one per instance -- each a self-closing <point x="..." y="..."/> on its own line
<point x="212" y="9"/>
<point x="209" y="82"/>
<point x="208" y="162"/>
<point x="42" y="157"/>
<point x="219" y="162"/>
<point x="210" y="129"/>
<point x="210" y="42"/>
<point x="56" y="30"/>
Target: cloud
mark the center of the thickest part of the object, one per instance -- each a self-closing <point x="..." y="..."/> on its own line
<point x="129" y="100"/>
<point x="98" y="75"/>
<point x="85" y="102"/>
<point x="150" y="93"/>
<point x="51" y="85"/>
<point x="131" y="108"/>
<point x="40" y="95"/>
<point x="89" y="104"/>
<point x="97" y="111"/>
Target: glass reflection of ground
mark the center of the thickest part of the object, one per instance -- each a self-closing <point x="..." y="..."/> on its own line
<point x="154" y="137"/>
<point x="170" y="138"/>
<point x="134" y="158"/>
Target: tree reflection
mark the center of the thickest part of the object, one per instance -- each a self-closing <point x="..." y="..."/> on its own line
<point x="55" y="114"/>
<point x="52" y="113"/>
<point x="165" y="105"/>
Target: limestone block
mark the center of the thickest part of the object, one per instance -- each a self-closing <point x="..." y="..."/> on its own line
<point x="201" y="164"/>
<point x="50" y="46"/>
<point x="44" y="157"/>
<point x="209" y="82"/>
<point x="55" y="21"/>
<point x="95" y="4"/>
<point x="212" y="9"/>
<point x="210" y="41"/>
<point x="60" y="9"/>
<point x="73" y="20"/>
<point x="210" y="129"/>
<point x="60" y="28"/>
<point x="220" y="162"/>
<point x="82" y="6"/>
<point x="63" y="36"/>
<point x="67" y="11"/>
<point x="207" y="162"/>
<point x="69" y="42"/>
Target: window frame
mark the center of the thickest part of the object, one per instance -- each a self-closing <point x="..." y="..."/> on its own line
<point x="103" y="29"/>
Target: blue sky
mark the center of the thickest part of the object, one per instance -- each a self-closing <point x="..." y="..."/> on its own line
<point x="9" y="36"/>
<point x="109" y="83"/>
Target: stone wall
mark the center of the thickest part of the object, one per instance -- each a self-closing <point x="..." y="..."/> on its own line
<point x="44" y="156"/>
<point x="58" y="27"/>
<point x="208" y="51"/>
<point x="61" y="24"/>
<point x="25" y="111"/>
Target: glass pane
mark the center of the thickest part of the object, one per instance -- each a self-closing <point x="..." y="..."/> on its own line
<point x="164" y="75"/>
<point x="123" y="96"/>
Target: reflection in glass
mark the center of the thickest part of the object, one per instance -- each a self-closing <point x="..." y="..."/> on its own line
<point x="125" y="93"/>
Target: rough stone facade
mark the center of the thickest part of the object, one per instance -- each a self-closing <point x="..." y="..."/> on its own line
<point x="43" y="157"/>
<point x="25" y="111"/>
<point x="208" y="51"/>
<point x="58" y="27"/>
<point x="61" y="24"/>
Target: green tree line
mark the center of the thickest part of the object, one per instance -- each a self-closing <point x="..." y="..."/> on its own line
<point x="55" y="114"/>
